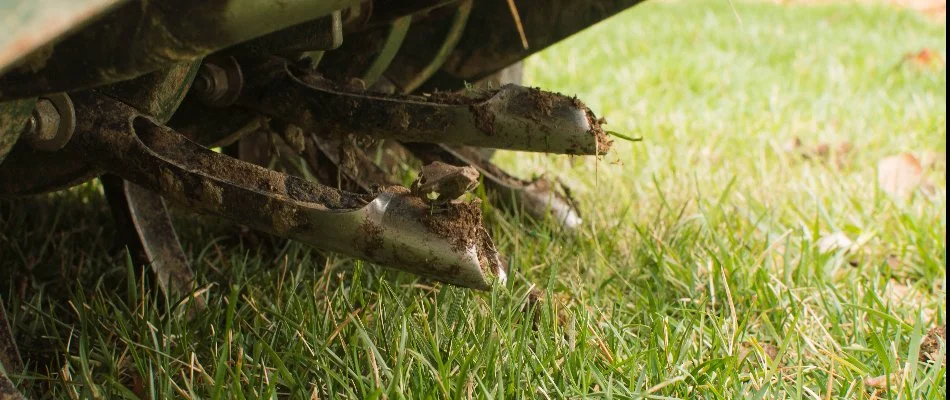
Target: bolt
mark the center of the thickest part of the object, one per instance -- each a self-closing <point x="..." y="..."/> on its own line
<point x="217" y="86"/>
<point x="52" y="123"/>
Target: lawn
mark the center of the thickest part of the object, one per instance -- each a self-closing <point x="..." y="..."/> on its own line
<point x="699" y="272"/>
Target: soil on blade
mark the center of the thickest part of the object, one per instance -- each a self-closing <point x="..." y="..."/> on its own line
<point x="455" y="221"/>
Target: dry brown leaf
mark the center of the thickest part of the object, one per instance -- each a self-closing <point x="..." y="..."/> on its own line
<point x="842" y="150"/>
<point x="880" y="382"/>
<point x="901" y="175"/>
<point x="894" y="261"/>
<point x="822" y="151"/>
<point x="770" y="350"/>
<point x="925" y="58"/>
<point x="844" y="147"/>
<point x="899" y="293"/>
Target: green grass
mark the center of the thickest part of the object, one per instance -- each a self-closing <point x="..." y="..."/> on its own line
<point x="698" y="258"/>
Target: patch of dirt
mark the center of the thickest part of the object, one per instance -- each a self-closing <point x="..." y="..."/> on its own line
<point x="532" y="306"/>
<point x="596" y="128"/>
<point x="484" y="118"/>
<point x="455" y="221"/>
<point x="488" y="258"/>
<point x="370" y="237"/>
<point x="769" y="350"/>
<point x="822" y="151"/>
<point x="603" y="142"/>
<point x="470" y="97"/>
<point x="930" y="346"/>
<point x="543" y="100"/>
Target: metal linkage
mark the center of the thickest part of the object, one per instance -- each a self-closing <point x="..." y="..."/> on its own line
<point x="394" y="228"/>
<point x="511" y="117"/>
<point x="144" y="36"/>
<point x="146" y="228"/>
<point x="353" y="163"/>
<point x="14" y="115"/>
<point x="411" y="75"/>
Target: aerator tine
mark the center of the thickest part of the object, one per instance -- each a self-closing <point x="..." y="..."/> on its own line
<point x="396" y="228"/>
<point x="511" y="117"/>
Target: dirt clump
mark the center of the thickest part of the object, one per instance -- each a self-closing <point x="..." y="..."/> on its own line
<point x="544" y="100"/>
<point x="455" y="221"/>
<point x="484" y="118"/>
<point x="930" y="346"/>
<point x="370" y="237"/>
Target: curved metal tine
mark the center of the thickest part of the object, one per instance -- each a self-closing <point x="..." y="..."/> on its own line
<point x="396" y="229"/>
<point x="336" y="165"/>
<point x="511" y="117"/>
<point x="10" y="361"/>
<point x="537" y="198"/>
<point x="8" y="390"/>
<point x="145" y="224"/>
<point x="353" y="163"/>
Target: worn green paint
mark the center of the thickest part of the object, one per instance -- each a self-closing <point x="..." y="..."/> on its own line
<point x="31" y="25"/>
<point x="13" y="115"/>
<point x="397" y="33"/>
<point x="160" y="93"/>
<point x="142" y="37"/>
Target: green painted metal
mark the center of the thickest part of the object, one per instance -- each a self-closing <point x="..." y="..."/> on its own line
<point x="145" y="36"/>
<point x="397" y="33"/>
<point x="448" y="45"/>
<point x="13" y="116"/>
<point x="159" y="93"/>
<point x="32" y="25"/>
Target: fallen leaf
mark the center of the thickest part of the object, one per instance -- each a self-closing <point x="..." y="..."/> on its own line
<point x="841" y="152"/>
<point x="822" y="149"/>
<point x="751" y="347"/>
<point x="924" y="58"/>
<point x="930" y="346"/>
<point x="909" y="296"/>
<point x="844" y="147"/>
<point x="835" y="241"/>
<point x="770" y="351"/>
<point x="901" y="175"/>
<point x="880" y="382"/>
<point x="899" y="292"/>
<point x="893" y="261"/>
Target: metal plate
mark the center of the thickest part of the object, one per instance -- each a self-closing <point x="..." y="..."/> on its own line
<point x="33" y="24"/>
